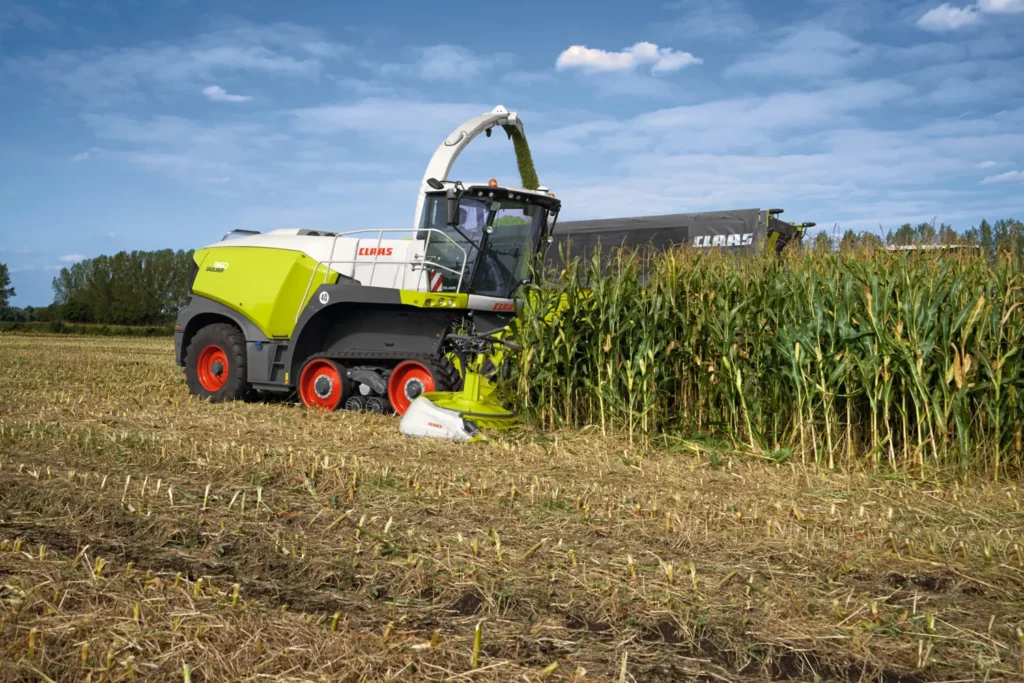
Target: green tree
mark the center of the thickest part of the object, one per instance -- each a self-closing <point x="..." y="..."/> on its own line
<point x="988" y="245"/>
<point x="128" y="288"/>
<point x="947" y="235"/>
<point x="823" y="242"/>
<point x="905" y="236"/>
<point x="850" y="241"/>
<point x="6" y="291"/>
<point x="1008" y="236"/>
<point x="870" y="239"/>
<point x="925" y="234"/>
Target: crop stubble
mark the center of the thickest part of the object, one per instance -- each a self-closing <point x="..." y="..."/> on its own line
<point x="148" y="535"/>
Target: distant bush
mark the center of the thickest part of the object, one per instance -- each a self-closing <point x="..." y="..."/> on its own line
<point x="58" y="327"/>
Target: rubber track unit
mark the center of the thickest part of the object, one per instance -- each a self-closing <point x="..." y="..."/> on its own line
<point x="445" y="374"/>
<point x="231" y="340"/>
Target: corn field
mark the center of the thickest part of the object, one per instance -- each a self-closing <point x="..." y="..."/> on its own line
<point x="872" y="358"/>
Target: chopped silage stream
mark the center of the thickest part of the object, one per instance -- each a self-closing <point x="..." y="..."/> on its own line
<point x="148" y="535"/>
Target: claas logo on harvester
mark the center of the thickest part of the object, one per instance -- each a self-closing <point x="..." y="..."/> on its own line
<point x="707" y="241"/>
<point x="375" y="251"/>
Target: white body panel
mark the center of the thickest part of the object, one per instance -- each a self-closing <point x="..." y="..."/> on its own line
<point x="374" y="261"/>
<point x="479" y="302"/>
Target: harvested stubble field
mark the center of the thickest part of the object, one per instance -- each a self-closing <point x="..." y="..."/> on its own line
<point x="147" y="535"/>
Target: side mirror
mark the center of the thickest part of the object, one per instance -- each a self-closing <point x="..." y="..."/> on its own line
<point x="435" y="183"/>
<point x="451" y="198"/>
<point x="525" y="282"/>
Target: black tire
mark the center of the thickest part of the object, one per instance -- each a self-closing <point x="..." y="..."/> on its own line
<point x="230" y="341"/>
<point x="446" y="375"/>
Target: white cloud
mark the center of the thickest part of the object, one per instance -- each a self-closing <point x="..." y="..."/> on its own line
<point x="81" y="156"/>
<point x="813" y="153"/>
<point x="1007" y="177"/>
<point x="946" y="17"/>
<point x="14" y="13"/>
<point x="52" y="269"/>
<point x="988" y="164"/>
<point x="399" y="120"/>
<point x="449" y="62"/>
<point x="102" y="76"/>
<point x="72" y="258"/>
<point x="527" y="78"/>
<point x="192" y="151"/>
<point x="591" y="60"/>
<point x="728" y="125"/>
<point x="218" y="94"/>
<point x="1001" y="6"/>
<point x="806" y="51"/>
<point x="711" y="19"/>
<point x="269" y="160"/>
<point x="446" y="63"/>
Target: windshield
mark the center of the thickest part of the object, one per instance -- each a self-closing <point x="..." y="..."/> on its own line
<point x="507" y="250"/>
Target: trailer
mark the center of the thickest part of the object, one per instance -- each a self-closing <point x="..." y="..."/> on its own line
<point x="743" y="231"/>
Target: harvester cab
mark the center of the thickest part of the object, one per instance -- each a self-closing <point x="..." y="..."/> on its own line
<point x="373" y="319"/>
<point x="783" y="233"/>
<point x="496" y="229"/>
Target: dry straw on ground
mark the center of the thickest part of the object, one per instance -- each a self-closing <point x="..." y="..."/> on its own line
<point x="147" y="535"/>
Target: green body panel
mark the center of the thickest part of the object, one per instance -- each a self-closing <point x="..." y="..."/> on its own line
<point x="266" y="285"/>
<point x="411" y="297"/>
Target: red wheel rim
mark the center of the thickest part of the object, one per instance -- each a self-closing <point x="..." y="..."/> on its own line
<point x="408" y="380"/>
<point x="212" y="368"/>
<point x="320" y="385"/>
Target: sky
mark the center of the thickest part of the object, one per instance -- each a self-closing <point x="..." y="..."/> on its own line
<point x="148" y="124"/>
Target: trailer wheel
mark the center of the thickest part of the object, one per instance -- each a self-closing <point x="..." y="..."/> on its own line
<point x="323" y="384"/>
<point x="412" y="378"/>
<point x="215" y="364"/>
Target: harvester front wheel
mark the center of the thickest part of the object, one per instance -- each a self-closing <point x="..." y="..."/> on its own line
<point x="411" y="378"/>
<point x="323" y="384"/>
<point x="215" y="364"/>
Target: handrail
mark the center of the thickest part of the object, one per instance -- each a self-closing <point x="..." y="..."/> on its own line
<point x="328" y="264"/>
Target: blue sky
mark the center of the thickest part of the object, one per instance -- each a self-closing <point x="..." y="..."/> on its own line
<point x="144" y="124"/>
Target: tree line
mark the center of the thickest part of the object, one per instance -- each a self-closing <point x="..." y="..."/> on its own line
<point x="128" y="288"/>
<point x="1005" y="235"/>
